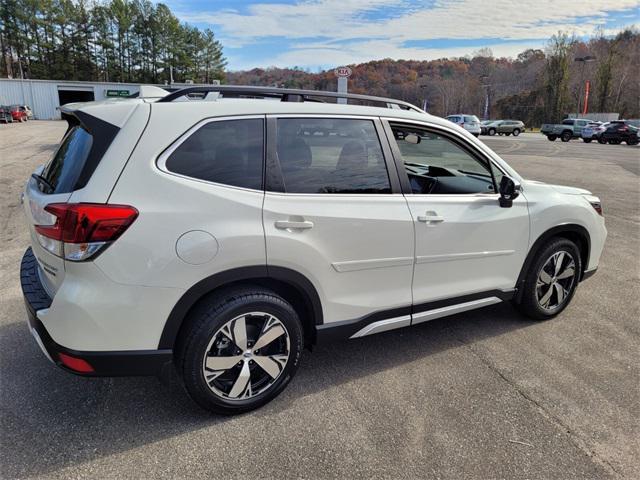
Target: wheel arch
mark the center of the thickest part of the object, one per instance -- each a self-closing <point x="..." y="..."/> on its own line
<point x="289" y="284"/>
<point x="574" y="232"/>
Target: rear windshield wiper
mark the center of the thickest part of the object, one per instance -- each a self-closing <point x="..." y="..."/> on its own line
<point x="43" y="181"/>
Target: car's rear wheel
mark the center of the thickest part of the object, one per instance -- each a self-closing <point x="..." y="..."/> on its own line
<point x="492" y="131"/>
<point x="239" y="350"/>
<point x="551" y="138"/>
<point x="566" y="136"/>
<point x="601" y="141"/>
<point x="551" y="281"/>
<point x="516" y="132"/>
<point x="586" y="140"/>
<point x="507" y="133"/>
<point x="632" y="142"/>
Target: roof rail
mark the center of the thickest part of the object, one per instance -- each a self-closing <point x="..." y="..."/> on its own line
<point x="286" y="95"/>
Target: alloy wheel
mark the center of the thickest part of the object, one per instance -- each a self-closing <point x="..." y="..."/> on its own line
<point x="556" y="281"/>
<point x="246" y="356"/>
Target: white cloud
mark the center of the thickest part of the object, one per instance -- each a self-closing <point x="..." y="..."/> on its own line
<point x="350" y="31"/>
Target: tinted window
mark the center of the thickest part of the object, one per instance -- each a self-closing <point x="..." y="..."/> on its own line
<point x="437" y="165"/>
<point x="228" y="152"/>
<point x="321" y="155"/>
<point x="567" y="122"/>
<point x="454" y="119"/>
<point x="471" y="118"/>
<point x="64" y="169"/>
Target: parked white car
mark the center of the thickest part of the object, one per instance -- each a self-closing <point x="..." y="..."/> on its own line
<point x="593" y="131"/>
<point x="470" y="123"/>
<point x="223" y="235"/>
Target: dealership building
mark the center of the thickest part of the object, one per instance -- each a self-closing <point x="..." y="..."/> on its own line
<point x="45" y="96"/>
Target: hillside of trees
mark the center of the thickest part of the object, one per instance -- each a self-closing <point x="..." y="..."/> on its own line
<point x="111" y="40"/>
<point x="138" y="41"/>
<point x="536" y="87"/>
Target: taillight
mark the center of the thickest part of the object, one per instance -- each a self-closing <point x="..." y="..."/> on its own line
<point x="80" y="230"/>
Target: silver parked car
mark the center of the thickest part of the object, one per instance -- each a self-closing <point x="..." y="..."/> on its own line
<point x="470" y="123"/>
<point x="593" y="131"/>
<point x="505" y="127"/>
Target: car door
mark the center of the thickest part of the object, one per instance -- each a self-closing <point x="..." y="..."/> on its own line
<point x="468" y="248"/>
<point x="334" y="212"/>
<point x="502" y="127"/>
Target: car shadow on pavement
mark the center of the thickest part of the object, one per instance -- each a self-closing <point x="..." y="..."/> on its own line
<point x="51" y="419"/>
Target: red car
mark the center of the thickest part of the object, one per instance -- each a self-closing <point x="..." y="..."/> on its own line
<point x="18" y="114"/>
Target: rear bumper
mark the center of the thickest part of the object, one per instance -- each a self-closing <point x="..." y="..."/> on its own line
<point x="104" y="363"/>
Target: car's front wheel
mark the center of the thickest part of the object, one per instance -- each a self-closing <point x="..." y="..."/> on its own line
<point x="551" y="281"/>
<point x="239" y="350"/>
<point x="492" y="131"/>
<point x="516" y="132"/>
<point x="551" y="138"/>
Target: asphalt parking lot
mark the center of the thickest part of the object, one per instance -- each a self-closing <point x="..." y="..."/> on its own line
<point x="485" y="394"/>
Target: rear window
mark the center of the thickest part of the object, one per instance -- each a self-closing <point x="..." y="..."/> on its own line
<point x="64" y="169"/>
<point x="229" y="152"/>
<point x="471" y="118"/>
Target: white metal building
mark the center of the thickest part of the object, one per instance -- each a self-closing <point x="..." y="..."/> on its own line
<point x="45" y="96"/>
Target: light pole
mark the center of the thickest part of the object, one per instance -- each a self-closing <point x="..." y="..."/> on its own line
<point x="423" y="92"/>
<point x="485" y="113"/>
<point x="583" y="60"/>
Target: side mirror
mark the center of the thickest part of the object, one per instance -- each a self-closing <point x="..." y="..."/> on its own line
<point x="509" y="190"/>
<point x="412" y="138"/>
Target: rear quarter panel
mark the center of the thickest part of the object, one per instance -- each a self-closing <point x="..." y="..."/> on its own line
<point x="171" y="206"/>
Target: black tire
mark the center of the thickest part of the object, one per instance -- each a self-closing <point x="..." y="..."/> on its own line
<point x="499" y="133"/>
<point x="566" y="136"/>
<point x="632" y="142"/>
<point x="492" y="131"/>
<point x="601" y="141"/>
<point x="528" y="303"/>
<point x="516" y="132"/>
<point x="586" y="140"/>
<point x="551" y="138"/>
<point x="206" y="321"/>
<point x="507" y="133"/>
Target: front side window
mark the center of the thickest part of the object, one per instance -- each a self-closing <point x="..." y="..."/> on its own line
<point x="327" y="155"/>
<point x="437" y="165"/>
<point x="229" y="152"/>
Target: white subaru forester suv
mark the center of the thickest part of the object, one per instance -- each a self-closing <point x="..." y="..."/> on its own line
<point x="222" y="234"/>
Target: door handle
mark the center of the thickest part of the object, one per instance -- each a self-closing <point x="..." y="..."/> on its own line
<point x="293" y="225"/>
<point x="430" y="218"/>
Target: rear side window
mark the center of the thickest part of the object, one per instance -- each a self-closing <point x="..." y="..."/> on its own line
<point x="324" y="155"/>
<point x="64" y="169"/>
<point x="229" y="152"/>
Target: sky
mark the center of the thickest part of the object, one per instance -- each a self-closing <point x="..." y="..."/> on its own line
<point x="321" y="34"/>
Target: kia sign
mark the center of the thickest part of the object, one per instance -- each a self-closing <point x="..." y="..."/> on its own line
<point x="343" y="72"/>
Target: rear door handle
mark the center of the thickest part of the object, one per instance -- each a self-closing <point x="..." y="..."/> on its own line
<point x="293" y="225"/>
<point x="430" y="218"/>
